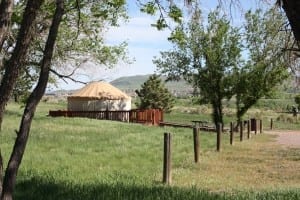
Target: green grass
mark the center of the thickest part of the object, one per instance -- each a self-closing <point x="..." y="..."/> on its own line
<point x="76" y="158"/>
<point x="185" y="111"/>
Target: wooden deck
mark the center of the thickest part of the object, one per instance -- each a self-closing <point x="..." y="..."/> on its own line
<point x="147" y="116"/>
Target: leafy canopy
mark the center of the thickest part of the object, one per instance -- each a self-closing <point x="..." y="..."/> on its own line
<point x="266" y="66"/>
<point x="297" y="100"/>
<point x="154" y="94"/>
<point x="80" y="39"/>
<point x="205" y="55"/>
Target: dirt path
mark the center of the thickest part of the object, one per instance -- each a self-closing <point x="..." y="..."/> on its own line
<point x="287" y="137"/>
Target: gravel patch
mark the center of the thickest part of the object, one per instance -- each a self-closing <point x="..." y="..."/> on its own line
<point x="287" y="137"/>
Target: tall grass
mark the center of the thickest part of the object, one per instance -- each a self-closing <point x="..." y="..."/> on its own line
<point x="77" y="158"/>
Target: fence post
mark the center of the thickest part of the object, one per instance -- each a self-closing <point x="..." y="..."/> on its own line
<point x="255" y="127"/>
<point x="231" y="133"/>
<point x="219" y="133"/>
<point x="260" y="126"/>
<point x="241" y="131"/>
<point x="271" y="125"/>
<point x="196" y="144"/>
<point x="153" y="117"/>
<point x="248" y="129"/>
<point x="167" y="179"/>
<point x="106" y="114"/>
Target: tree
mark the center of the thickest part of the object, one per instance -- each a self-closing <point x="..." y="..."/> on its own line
<point x="290" y="7"/>
<point x="24" y="85"/>
<point x="292" y="10"/>
<point x="22" y="88"/>
<point x="266" y="66"/>
<point x="16" y="62"/>
<point x="34" y="98"/>
<point x="153" y="94"/>
<point x="28" y="32"/>
<point x="6" y="10"/>
<point x="291" y="26"/>
<point x="297" y="100"/>
<point x="205" y="57"/>
<point x="80" y="37"/>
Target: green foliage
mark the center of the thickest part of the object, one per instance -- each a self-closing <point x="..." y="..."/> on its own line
<point x="297" y="100"/>
<point x="160" y="24"/>
<point x="209" y="58"/>
<point x="266" y="66"/>
<point x="177" y="36"/>
<point x="149" y="8"/>
<point x="277" y="105"/>
<point x="80" y="38"/>
<point x="23" y="86"/>
<point x="205" y="56"/>
<point x="154" y="94"/>
<point x="82" y="30"/>
<point x="164" y="10"/>
<point x="175" y="13"/>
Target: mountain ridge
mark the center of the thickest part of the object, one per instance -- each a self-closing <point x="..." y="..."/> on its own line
<point x="131" y="83"/>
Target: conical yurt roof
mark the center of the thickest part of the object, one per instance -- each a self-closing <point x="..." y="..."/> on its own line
<point x="99" y="90"/>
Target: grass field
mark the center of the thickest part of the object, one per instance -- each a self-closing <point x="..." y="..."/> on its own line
<point x="76" y="158"/>
<point x="185" y="111"/>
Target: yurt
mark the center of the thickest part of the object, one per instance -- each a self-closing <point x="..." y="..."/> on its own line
<point x="99" y="96"/>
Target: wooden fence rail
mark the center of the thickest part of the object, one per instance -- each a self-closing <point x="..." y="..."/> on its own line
<point x="147" y="116"/>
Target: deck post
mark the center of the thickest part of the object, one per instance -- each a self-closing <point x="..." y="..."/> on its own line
<point x="167" y="178"/>
<point x="241" y="131"/>
<point x="219" y="133"/>
<point x="196" y="144"/>
<point x="260" y="126"/>
<point x="248" y="129"/>
<point x="271" y="125"/>
<point x="231" y="133"/>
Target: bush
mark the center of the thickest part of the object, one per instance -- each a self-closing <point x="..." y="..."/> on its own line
<point x="154" y="94"/>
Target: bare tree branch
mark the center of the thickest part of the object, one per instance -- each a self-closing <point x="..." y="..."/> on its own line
<point x="69" y="76"/>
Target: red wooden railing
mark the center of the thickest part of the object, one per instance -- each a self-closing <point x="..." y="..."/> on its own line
<point x="147" y="116"/>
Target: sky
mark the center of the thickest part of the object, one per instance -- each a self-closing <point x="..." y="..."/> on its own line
<point x="144" y="42"/>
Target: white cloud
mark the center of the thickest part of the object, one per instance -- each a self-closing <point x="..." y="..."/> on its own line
<point x="144" y="42"/>
<point x="137" y="31"/>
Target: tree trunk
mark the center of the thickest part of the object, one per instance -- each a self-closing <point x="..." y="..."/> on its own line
<point x="217" y="113"/>
<point x="6" y="10"/>
<point x="1" y="172"/>
<point x="16" y="97"/>
<point x="33" y="100"/>
<point x="292" y="10"/>
<point x="19" y="54"/>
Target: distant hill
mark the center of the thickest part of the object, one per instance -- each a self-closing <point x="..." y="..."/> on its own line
<point x="130" y="83"/>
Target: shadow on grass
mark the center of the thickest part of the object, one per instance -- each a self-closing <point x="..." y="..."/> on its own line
<point x="39" y="189"/>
